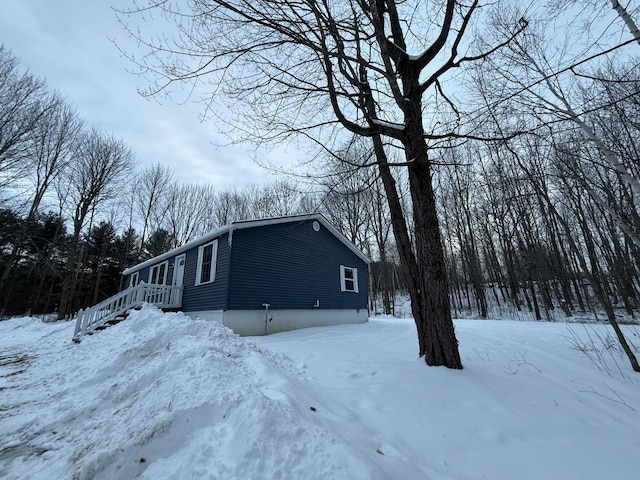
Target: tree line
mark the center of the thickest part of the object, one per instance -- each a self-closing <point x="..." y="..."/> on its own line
<point x="76" y="210"/>
<point x="418" y="84"/>
<point x="507" y="208"/>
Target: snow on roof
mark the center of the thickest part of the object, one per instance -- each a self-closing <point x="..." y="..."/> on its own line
<point x="248" y="224"/>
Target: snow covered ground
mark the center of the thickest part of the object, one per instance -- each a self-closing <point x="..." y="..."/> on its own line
<point x="163" y="396"/>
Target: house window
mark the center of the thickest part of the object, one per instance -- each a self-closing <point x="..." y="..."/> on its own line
<point x="207" y="255"/>
<point x="348" y="279"/>
<point x="158" y="274"/>
<point x="133" y="281"/>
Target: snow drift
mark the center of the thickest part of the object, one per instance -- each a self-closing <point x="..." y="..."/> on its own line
<point x="164" y="396"/>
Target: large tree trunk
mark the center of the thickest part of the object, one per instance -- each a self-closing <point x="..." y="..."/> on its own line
<point x="425" y="269"/>
<point x="436" y="333"/>
<point x="430" y="298"/>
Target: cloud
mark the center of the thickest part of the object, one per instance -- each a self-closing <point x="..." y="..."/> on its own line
<point x="69" y="44"/>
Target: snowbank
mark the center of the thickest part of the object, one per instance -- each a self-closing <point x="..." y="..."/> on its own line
<point x="163" y="396"/>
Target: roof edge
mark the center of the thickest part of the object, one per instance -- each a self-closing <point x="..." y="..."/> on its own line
<point x="240" y="224"/>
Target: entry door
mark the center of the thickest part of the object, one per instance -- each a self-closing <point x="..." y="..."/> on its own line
<point x="178" y="270"/>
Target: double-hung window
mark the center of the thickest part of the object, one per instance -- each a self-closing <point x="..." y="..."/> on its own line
<point x="348" y="279"/>
<point x="158" y="274"/>
<point x="133" y="280"/>
<point x="206" y="271"/>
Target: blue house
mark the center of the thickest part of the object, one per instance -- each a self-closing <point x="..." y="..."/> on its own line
<point x="260" y="276"/>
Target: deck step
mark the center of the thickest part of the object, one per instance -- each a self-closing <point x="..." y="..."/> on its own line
<point x="116" y="308"/>
<point x="113" y="321"/>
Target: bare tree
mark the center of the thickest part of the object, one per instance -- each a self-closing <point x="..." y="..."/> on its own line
<point x="379" y="227"/>
<point x="347" y="192"/>
<point x="355" y="201"/>
<point x="317" y="68"/>
<point x="229" y="205"/>
<point x="273" y="199"/>
<point x="550" y="83"/>
<point x="152" y="187"/>
<point x="23" y="102"/>
<point x="598" y="10"/>
<point x="458" y="202"/>
<point x="95" y="175"/>
<point x="552" y="86"/>
<point x="188" y="212"/>
<point x="49" y="148"/>
<point x="590" y="270"/>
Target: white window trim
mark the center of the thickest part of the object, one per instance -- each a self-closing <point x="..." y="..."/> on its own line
<point x="166" y="270"/>
<point x="214" y="261"/>
<point x="343" y="279"/>
<point x="133" y="280"/>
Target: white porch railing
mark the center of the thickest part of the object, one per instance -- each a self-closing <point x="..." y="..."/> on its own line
<point x="162" y="296"/>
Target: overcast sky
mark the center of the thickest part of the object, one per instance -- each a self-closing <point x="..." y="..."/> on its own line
<point x="68" y="43"/>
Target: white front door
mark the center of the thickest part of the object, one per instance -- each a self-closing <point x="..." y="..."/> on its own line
<point x="178" y="270"/>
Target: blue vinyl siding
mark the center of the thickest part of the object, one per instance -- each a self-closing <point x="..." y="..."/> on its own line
<point x="291" y="266"/>
<point x="209" y="296"/>
<point x="143" y="275"/>
<point x="288" y="265"/>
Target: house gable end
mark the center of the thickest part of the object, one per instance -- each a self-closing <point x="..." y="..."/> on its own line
<point x="293" y="265"/>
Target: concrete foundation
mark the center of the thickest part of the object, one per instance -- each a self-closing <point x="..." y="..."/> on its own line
<point x="264" y="322"/>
